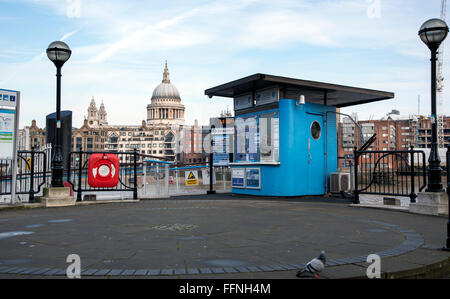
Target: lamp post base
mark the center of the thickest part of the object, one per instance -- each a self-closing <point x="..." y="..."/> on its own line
<point x="430" y="203"/>
<point x="209" y="192"/>
<point x="57" y="197"/>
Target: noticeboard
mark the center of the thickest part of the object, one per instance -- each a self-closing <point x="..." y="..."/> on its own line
<point x="267" y="96"/>
<point x="253" y="178"/>
<point x="9" y="131"/>
<point x="8" y="122"/>
<point x="243" y="102"/>
<point x="238" y="178"/>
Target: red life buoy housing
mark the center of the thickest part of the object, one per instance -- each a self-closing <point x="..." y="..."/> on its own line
<point x="103" y="170"/>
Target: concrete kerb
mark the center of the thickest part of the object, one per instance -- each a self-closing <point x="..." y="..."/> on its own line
<point x="82" y="203"/>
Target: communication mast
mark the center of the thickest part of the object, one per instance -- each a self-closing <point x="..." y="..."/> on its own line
<point x="440" y="85"/>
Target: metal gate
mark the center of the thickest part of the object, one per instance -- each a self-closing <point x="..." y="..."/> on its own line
<point x="394" y="173"/>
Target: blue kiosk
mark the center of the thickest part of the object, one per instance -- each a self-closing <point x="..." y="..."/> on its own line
<point x="286" y="132"/>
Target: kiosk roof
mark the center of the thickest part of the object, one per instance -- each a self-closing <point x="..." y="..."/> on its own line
<point x="315" y="92"/>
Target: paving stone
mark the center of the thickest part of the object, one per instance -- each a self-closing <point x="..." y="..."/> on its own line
<point x="29" y="271"/>
<point x="61" y="272"/>
<point x="128" y="272"/>
<point x="114" y="272"/>
<point x="243" y="269"/>
<point x="288" y="267"/>
<point x="153" y="272"/>
<point x="16" y="270"/>
<point x="205" y="271"/>
<point x="167" y="272"/>
<point x="180" y="271"/>
<point x="276" y="267"/>
<point x="51" y="272"/>
<point x="339" y="262"/>
<point x="89" y="272"/>
<point x="254" y="269"/>
<point x="142" y="272"/>
<point x="331" y="263"/>
<point x="193" y="271"/>
<point x="230" y="270"/>
<point x="40" y="271"/>
<point x="266" y="268"/>
<point x="102" y="272"/>
<point x="299" y="266"/>
<point x="7" y="270"/>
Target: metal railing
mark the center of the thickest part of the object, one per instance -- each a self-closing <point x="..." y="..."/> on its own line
<point x="32" y="174"/>
<point x="164" y="179"/>
<point x="140" y="176"/>
<point x="394" y="173"/>
<point x="128" y="173"/>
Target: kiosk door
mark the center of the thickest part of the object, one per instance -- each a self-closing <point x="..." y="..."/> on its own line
<point x="316" y="155"/>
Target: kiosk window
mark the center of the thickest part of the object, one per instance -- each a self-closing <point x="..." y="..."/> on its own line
<point x="257" y="138"/>
<point x="316" y="131"/>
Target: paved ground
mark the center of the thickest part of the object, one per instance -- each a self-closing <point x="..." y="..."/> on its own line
<point x="222" y="236"/>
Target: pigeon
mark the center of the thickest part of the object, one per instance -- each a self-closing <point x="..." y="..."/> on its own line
<point x="314" y="267"/>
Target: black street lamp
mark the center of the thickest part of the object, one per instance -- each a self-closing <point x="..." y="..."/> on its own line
<point x="58" y="52"/>
<point x="433" y="32"/>
<point x="447" y="245"/>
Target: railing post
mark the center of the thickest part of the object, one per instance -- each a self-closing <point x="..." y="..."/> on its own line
<point x="80" y="172"/>
<point x="31" y="191"/>
<point x="413" y="194"/>
<point x="447" y="247"/>
<point x="211" y="174"/>
<point x="135" y="195"/>
<point x="356" y="156"/>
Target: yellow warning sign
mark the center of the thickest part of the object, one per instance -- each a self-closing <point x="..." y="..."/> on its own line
<point x="28" y="164"/>
<point x="191" y="178"/>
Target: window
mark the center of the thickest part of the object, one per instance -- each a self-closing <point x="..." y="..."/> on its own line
<point x="113" y="138"/>
<point x="316" y="130"/>
<point x="257" y="138"/>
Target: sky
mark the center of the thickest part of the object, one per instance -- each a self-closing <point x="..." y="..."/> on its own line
<point x="119" y="49"/>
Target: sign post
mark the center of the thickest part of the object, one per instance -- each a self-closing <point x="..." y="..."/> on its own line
<point x="9" y="129"/>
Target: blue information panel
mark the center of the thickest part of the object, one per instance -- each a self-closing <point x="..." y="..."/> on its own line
<point x="220" y="159"/>
<point x="253" y="178"/>
<point x="238" y="178"/>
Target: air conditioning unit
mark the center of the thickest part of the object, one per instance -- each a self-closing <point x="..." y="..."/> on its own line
<point x="340" y="182"/>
